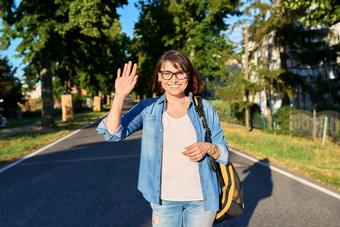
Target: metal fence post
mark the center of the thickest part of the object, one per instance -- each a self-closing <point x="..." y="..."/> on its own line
<point x="290" y="123"/>
<point x="314" y="125"/>
<point x="324" y="130"/>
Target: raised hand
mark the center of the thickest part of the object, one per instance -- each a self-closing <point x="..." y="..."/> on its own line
<point x="126" y="81"/>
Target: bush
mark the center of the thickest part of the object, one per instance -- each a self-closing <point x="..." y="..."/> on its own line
<point x="282" y="119"/>
<point x="226" y="113"/>
<point x="77" y="103"/>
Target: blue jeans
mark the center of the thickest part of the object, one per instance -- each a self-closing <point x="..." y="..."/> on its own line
<point x="181" y="214"/>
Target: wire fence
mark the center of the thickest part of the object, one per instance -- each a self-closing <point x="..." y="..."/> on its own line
<point x="315" y="124"/>
<point x="297" y="122"/>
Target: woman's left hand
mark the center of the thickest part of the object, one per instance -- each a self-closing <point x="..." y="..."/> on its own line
<point x="197" y="151"/>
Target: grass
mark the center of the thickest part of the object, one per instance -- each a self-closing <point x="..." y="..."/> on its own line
<point x="32" y="118"/>
<point x="11" y="123"/>
<point x="20" y="144"/>
<point x="309" y="158"/>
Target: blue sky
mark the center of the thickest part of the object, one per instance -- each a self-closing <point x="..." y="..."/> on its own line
<point x="129" y="15"/>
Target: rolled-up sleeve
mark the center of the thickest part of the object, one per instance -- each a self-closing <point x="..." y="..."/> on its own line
<point x="217" y="134"/>
<point x="116" y="136"/>
<point x="224" y="154"/>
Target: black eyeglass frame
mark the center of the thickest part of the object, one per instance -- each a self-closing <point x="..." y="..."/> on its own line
<point x="175" y="73"/>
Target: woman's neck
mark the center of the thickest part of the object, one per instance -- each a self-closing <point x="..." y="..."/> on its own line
<point x="176" y="99"/>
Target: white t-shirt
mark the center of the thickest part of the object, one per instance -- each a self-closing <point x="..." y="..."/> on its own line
<point x="180" y="176"/>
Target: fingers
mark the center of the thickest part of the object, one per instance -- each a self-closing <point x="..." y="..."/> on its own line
<point x="127" y="69"/>
<point x="134" y="70"/>
<point x="196" y="151"/>
<point x="124" y="70"/>
<point x="193" y="152"/>
<point x="127" y="73"/>
<point x="118" y="72"/>
<point x="134" y="80"/>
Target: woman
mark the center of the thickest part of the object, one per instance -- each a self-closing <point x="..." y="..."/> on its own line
<point x="175" y="174"/>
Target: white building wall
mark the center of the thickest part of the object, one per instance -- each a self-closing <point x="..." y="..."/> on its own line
<point x="275" y="62"/>
<point x="36" y="93"/>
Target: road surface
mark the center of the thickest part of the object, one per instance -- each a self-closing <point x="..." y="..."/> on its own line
<point x="85" y="181"/>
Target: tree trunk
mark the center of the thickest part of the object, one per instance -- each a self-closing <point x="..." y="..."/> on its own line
<point x="47" y="109"/>
<point x="269" y="112"/>
<point x="246" y="72"/>
<point x="268" y="94"/>
<point x="283" y="63"/>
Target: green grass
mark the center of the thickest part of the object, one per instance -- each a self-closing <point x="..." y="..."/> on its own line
<point x="11" y="123"/>
<point x="32" y="118"/>
<point x="299" y="154"/>
<point x="16" y="146"/>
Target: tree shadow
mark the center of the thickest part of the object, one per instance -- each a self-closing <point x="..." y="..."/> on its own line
<point x="257" y="185"/>
<point x="90" y="184"/>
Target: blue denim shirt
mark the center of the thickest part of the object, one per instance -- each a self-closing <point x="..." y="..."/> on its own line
<point x="147" y="115"/>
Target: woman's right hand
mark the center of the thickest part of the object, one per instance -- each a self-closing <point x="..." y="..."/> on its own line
<point x="126" y="81"/>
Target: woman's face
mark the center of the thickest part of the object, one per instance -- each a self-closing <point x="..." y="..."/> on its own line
<point x="174" y="87"/>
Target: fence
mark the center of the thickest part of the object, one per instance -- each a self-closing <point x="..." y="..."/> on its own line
<point x="298" y="122"/>
<point x="308" y="124"/>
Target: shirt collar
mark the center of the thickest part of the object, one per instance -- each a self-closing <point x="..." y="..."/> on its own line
<point x="161" y="99"/>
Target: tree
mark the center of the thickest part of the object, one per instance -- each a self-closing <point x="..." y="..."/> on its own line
<point x="32" y="22"/>
<point x="199" y="27"/>
<point x="309" y="47"/>
<point x="259" y="31"/>
<point x="313" y="12"/>
<point x="10" y="88"/>
<point x="154" y="24"/>
<point x="195" y="27"/>
<point x="64" y="37"/>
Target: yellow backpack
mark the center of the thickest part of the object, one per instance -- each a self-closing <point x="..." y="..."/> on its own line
<point x="231" y="196"/>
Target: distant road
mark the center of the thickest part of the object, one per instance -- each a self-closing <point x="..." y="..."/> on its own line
<point x="85" y="181"/>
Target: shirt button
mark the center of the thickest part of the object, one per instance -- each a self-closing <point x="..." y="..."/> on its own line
<point x="159" y="161"/>
<point x="205" y="196"/>
<point x="198" y="135"/>
<point x="159" y="146"/>
<point x="160" y="130"/>
<point x="202" y="181"/>
<point x="157" y="177"/>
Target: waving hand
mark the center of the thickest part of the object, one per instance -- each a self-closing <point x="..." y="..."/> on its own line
<point x="127" y="80"/>
<point x="124" y="84"/>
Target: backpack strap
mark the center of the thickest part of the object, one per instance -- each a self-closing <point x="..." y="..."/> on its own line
<point x="200" y="111"/>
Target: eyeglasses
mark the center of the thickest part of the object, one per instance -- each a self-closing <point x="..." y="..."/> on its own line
<point x="167" y="75"/>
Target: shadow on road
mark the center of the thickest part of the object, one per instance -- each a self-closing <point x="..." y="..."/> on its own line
<point x="257" y="185"/>
<point x="95" y="184"/>
<point x="90" y="184"/>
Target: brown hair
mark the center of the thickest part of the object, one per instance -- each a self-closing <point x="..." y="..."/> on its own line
<point x="178" y="60"/>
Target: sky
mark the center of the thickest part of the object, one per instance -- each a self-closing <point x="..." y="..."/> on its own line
<point x="129" y="15"/>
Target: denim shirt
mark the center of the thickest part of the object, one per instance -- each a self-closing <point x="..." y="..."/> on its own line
<point x="147" y="115"/>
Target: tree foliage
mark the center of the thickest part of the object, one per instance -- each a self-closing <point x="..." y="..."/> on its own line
<point x="10" y="89"/>
<point x="154" y="24"/>
<point x="313" y="12"/>
<point x="310" y="48"/>
<point x="195" y="27"/>
<point x="234" y="90"/>
<point x="199" y="27"/>
<point x="307" y="55"/>
<point x="76" y="41"/>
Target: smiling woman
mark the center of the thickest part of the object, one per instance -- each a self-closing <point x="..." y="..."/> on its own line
<point x="175" y="153"/>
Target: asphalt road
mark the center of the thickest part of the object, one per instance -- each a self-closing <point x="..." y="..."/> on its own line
<point x="85" y="181"/>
